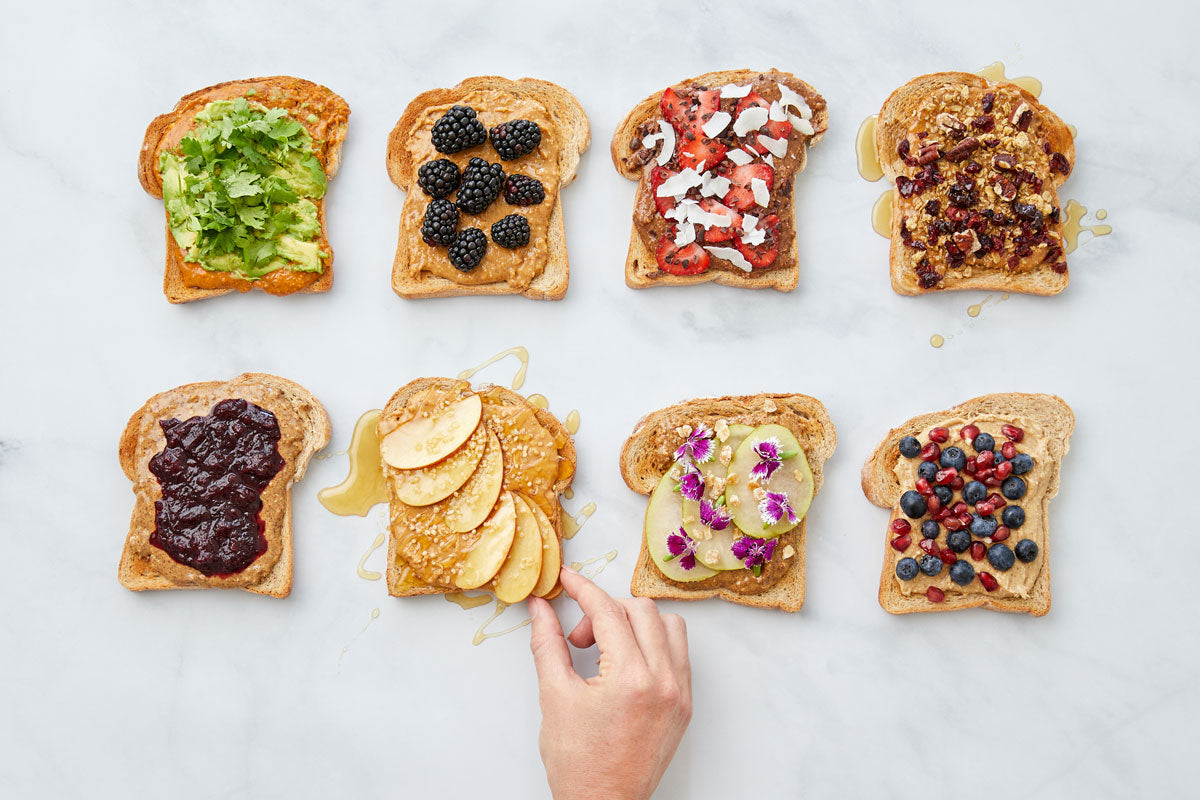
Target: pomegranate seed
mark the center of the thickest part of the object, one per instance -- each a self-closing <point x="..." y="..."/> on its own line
<point x="993" y="481"/>
<point x="960" y="507"/>
<point x="953" y="523"/>
<point x="939" y="435"/>
<point x="970" y="467"/>
<point x="1012" y="432"/>
<point x="934" y="595"/>
<point x="985" y="459"/>
<point x="957" y="483"/>
<point x="947" y="556"/>
<point x="988" y="581"/>
<point x="1003" y="469"/>
<point x="930" y="452"/>
<point x="933" y="504"/>
<point x="985" y="508"/>
<point x="996" y="500"/>
<point x="1009" y="450"/>
<point x="923" y="487"/>
<point x="944" y="514"/>
<point x="965" y="518"/>
<point x="944" y="476"/>
<point x="929" y="546"/>
<point x="968" y="432"/>
<point x="983" y="473"/>
<point x="901" y="526"/>
<point x="901" y="543"/>
<point x="1001" y="533"/>
<point x="978" y="551"/>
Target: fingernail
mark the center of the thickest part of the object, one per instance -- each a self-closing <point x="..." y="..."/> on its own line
<point x="568" y="569"/>
<point x="534" y="607"/>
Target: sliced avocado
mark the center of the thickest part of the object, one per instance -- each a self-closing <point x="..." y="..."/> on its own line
<point x="304" y="256"/>
<point x="664" y="516"/>
<point x="306" y="226"/>
<point x="792" y="478"/>
<point x="302" y="171"/>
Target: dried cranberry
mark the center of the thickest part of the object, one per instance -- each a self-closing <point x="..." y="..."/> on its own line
<point x="905" y="186"/>
<point x="902" y="148"/>
<point x="988" y="100"/>
<point x="1060" y="267"/>
<point x="984" y="124"/>
<point x="1028" y="212"/>
<point x="973" y="167"/>
<point x="1059" y="163"/>
<point x="932" y="208"/>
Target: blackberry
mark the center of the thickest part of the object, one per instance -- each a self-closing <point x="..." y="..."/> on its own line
<point x="511" y="232"/>
<point x="467" y="250"/>
<point x="515" y="138"/>
<point x="458" y="129"/>
<point x="480" y="185"/>
<point x="441" y="223"/>
<point x="522" y="190"/>
<point x="439" y="178"/>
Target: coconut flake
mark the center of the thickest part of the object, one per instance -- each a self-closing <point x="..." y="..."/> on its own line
<point x="788" y="97"/>
<point x="751" y="119"/>
<point x="713" y="186"/>
<point x="739" y="157"/>
<point x="677" y="185"/>
<point x="668" y="149"/>
<point x="777" y="147"/>
<point x="802" y="125"/>
<point x="650" y="138"/>
<point x="733" y="90"/>
<point x="731" y="255"/>
<point x="685" y="235"/>
<point x="770" y="159"/>
<point x="762" y="196"/>
<point x="716" y="123"/>
<point x="751" y="233"/>
<point x="776" y="113"/>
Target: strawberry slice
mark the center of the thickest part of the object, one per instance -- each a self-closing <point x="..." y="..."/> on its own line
<point x="762" y="255"/>
<point x="776" y="129"/>
<point x="699" y="152"/>
<point x="718" y="234"/>
<point x="657" y="176"/>
<point x="708" y="102"/>
<point x="675" y="109"/>
<point x="691" y="259"/>
<point x="739" y="195"/>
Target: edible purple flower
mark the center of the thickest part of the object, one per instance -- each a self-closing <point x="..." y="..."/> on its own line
<point x="691" y="483"/>
<point x="699" y="446"/>
<point x="774" y="507"/>
<point x="683" y="547"/>
<point x="769" y="459"/>
<point x="754" y="553"/>
<point x="714" y="516"/>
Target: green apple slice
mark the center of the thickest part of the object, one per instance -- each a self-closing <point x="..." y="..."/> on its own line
<point x="792" y="478"/>
<point x="664" y="516"/>
<point x="713" y="547"/>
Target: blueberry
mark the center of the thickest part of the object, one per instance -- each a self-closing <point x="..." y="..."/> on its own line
<point x="953" y="457"/>
<point x="999" y="457"/>
<point x="1022" y="463"/>
<point x="974" y="492"/>
<point x="958" y="541"/>
<point x="1013" y="516"/>
<point x="983" y="441"/>
<point x="1001" y="556"/>
<point x="1013" y="488"/>
<point x="983" y="526"/>
<point x="930" y="529"/>
<point x="909" y="447"/>
<point x="1027" y="550"/>
<point x="927" y="470"/>
<point x="912" y="504"/>
<point x="907" y="569"/>
<point x="962" y="573"/>
<point x="944" y="493"/>
<point x="931" y="565"/>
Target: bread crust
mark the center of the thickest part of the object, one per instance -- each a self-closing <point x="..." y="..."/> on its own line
<point x="881" y="487"/>
<point x="333" y="116"/>
<point x="572" y="123"/>
<point x="892" y="126"/>
<point x="641" y="263"/>
<point x="304" y="430"/>
<point x="645" y="458"/>
<point x="400" y="579"/>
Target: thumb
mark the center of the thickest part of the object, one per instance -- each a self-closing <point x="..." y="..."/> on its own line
<point x="550" y="654"/>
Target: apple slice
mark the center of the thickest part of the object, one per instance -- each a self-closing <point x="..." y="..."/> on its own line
<point x="519" y="573"/>
<point x="551" y="552"/>
<point x="468" y="507"/>
<point x="793" y="478"/>
<point x="664" y="517"/>
<point x="428" y="485"/>
<point x="495" y="540"/>
<point x="713" y="547"/>
<point x="426" y="440"/>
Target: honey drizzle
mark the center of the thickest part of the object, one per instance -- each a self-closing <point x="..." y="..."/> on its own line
<point x="518" y="380"/>
<point x="374" y="616"/>
<point x="868" y="160"/>
<point x="1073" y="225"/>
<point x="881" y="215"/>
<point x="573" y="522"/>
<point x="974" y="310"/>
<point x="468" y="601"/>
<point x="603" y="560"/>
<point x="370" y="574"/>
<point x="364" y="486"/>
<point x="481" y="634"/>
<point x="995" y="72"/>
<point x="572" y="421"/>
<point x="538" y="400"/>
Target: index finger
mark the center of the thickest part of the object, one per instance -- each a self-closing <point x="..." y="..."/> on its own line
<point x="610" y="626"/>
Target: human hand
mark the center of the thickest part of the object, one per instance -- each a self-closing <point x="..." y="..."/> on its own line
<point x="611" y="736"/>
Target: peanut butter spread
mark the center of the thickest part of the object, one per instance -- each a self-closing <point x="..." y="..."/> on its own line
<point x="517" y="267"/>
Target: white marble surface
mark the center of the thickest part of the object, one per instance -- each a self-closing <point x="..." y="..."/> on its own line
<point x="106" y="693"/>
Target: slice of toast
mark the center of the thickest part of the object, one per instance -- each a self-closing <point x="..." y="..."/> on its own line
<point x="949" y="108"/>
<point x="496" y="100"/>
<point x="649" y="452"/>
<point x="1047" y="423"/>
<point x="633" y="161"/>
<point x="322" y="112"/>
<point x="304" y="428"/>
<point x="401" y="579"/>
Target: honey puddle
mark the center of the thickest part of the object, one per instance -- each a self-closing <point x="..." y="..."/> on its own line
<point x="518" y="380"/>
<point x="995" y="72"/>
<point x="481" y="635"/>
<point x="1073" y="225"/>
<point x="363" y="572"/>
<point x="973" y="311"/>
<point x="573" y="522"/>
<point x="600" y="561"/>
<point x="364" y="486"/>
<point x="374" y="616"/>
<point x="881" y="215"/>
<point x="868" y="160"/>
<point x="468" y="601"/>
<point x="538" y="400"/>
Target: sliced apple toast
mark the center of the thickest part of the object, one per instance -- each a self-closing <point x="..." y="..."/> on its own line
<point x="473" y="479"/>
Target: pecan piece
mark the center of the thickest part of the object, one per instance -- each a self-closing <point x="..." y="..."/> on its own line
<point x="963" y="149"/>
<point x="1004" y="161"/>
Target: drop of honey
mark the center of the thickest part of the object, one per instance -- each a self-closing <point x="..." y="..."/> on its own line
<point x="868" y="159"/>
<point x="936" y="340"/>
<point x="881" y="215"/>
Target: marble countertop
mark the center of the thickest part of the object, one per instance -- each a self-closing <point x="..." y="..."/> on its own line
<point x="340" y="690"/>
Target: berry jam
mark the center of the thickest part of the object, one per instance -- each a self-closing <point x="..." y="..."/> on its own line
<point x="212" y="472"/>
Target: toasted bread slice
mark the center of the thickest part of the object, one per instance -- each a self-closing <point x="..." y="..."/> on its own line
<point x="327" y="126"/>
<point x="304" y="430"/>
<point x="649" y="452"/>
<point x="401" y="579"/>
<point x="567" y="132"/>
<point x="631" y="160"/>
<point x="1047" y="422"/>
<point x="957" y="98"/>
